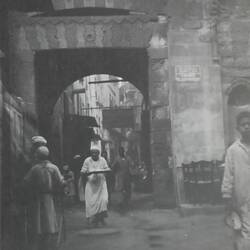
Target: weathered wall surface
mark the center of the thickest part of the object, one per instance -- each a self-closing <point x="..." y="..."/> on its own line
<point x="223" y="27"/>
<point x="194" y="80"/>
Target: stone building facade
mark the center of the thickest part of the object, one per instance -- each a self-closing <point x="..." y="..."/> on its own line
<point x="212" y="36"/>
<point x="137" y="36"/>
<point x="160" y="41"/>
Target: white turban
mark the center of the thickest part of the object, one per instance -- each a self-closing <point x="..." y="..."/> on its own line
<point x="42" y="152"/>
<point x="76" y="157"/>
<point x="95" y="145"/>
<point x="38" y="140"/>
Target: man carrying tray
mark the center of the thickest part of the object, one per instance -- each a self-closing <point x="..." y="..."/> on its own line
<point x="96" y="193"/>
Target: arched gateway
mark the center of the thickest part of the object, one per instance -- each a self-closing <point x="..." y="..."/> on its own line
<point x="49" y="53"/>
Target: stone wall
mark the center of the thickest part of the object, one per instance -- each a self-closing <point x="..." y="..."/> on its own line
<point x="233" y="47"/>
<point x="191" y="46"/>
<point x="160" y="127"/>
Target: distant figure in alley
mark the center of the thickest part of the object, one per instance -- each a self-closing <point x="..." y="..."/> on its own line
<point x="69" y="188"/>
<point x="75" y="165"/>
<point x="121" y="169"/>
<point x="96" y="192"/>
<point x="43" y="180"/>
<point x="236" y="183"/>
<point x="109" y="177"/>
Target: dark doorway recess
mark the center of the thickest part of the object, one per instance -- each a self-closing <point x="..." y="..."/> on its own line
<point x="239" y="95"/>
<point x="78" y="132"/>
<point x="57" y="69"/>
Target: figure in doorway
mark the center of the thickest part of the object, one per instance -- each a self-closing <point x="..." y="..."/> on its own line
<point x="75" y="166"/>
<point x="236" y="183"/>
<point x="69" y="189"/>
<point x="121" y="169"/>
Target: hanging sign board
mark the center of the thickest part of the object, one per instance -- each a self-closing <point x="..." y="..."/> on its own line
<point x="187" y="73"/>
<point x="118" y="118"/>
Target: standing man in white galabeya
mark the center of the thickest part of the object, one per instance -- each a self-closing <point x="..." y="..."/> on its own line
<point x="96" y="192"/>
<point x="236" y="183"/>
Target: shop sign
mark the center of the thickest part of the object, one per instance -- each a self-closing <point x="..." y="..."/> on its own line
<point x="187" y="73"/>
<point x="118" y="118"/>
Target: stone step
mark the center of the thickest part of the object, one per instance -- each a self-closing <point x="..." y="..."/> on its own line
<point x="189" y="209"/>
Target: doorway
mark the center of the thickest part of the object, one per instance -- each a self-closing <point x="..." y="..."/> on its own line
<point x="238" y="101"/>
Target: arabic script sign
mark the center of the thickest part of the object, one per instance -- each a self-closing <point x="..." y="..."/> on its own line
<point x="187" y="73"/>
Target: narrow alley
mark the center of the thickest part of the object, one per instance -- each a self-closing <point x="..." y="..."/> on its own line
<point x="145" y="228"/>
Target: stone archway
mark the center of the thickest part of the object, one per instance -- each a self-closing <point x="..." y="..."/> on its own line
<point x="31" y="36"/>
<point x="62" y="67"/>
<point x="237" y="100"/>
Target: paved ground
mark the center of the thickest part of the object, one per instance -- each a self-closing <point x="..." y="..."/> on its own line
<point x="146" y="228"/>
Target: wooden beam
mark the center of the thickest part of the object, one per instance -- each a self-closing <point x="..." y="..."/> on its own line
<point x="107" y="81"/>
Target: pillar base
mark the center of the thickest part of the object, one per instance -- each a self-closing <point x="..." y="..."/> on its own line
<point x="163" y="193"/>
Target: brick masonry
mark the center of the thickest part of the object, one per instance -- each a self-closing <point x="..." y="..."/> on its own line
<point x="28" y="35"/>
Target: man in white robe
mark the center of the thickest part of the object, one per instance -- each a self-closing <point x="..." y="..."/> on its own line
<point x="236" y="181"/>
<point x="96" y="193"/>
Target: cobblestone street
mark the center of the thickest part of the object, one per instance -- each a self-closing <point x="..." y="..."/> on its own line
<point x="148" y="228"/>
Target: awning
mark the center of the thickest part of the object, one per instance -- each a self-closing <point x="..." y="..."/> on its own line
<point x="83" y="121"/>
